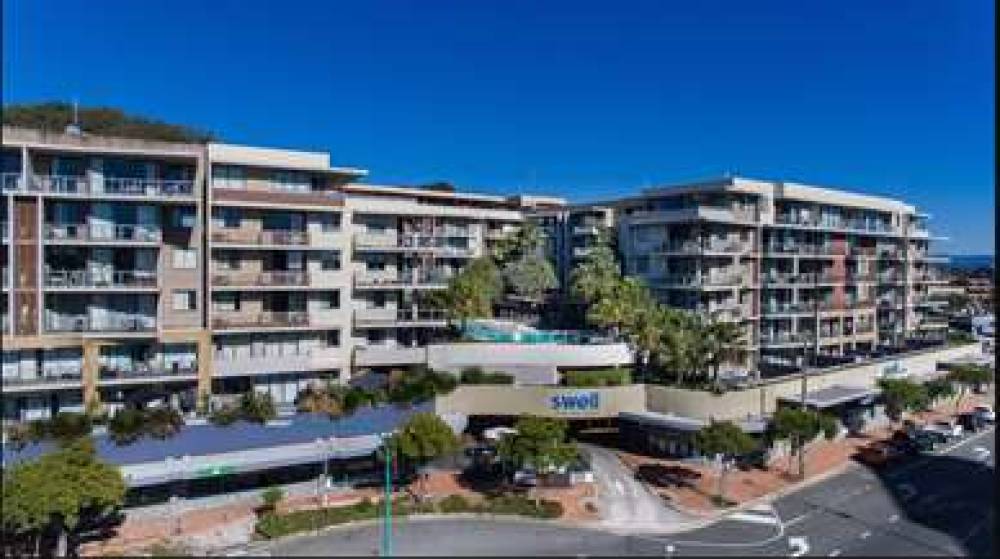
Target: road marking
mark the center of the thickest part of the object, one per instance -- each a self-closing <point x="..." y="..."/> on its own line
<point x="799" y="545"/>
<point x="894" y="518"/>
<point x="865" y="535"/>
<point x="834" y="553"/>
<point x="753" y="518"/>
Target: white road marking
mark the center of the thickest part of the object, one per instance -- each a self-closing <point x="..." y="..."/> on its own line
<point x="799" y="545"/>
<point x="894" y="518"/>
<point x="865" y="535"/>
<point x="753" y="518"/>
<point x="834" y="553"/>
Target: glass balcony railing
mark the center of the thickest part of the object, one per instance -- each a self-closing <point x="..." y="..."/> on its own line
<point x="47" y="377"/>
<point x="146" y="369"/>
<point x="91" y="279"/>
<point x="84" y="323"/>
<point x="114" y="186"/>
<point x="264" y="319"/>
<point x="285" y="278"/>
<point x="109" y="232"/>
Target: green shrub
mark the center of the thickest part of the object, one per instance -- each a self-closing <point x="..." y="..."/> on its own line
<point x="271" y="497"/>
<point x="129" y="425"/>
<point x="256" y="407"/>
<point x="63" y="427"/>
<point x="597" y="378"/>
<point x="224" y="415"/>
<point x="453" y="504"/>
<point x="476" y="375"/>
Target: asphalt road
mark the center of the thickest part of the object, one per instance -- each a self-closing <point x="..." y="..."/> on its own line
<point x="940" y="504"/>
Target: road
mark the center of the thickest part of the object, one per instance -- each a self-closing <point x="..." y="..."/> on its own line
<point x="625" y="504"/>
<point x="940" y="504"/>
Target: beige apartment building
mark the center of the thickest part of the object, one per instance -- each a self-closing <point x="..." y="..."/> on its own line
<point x="804" y="270"/>
<point x="137" y="270"/>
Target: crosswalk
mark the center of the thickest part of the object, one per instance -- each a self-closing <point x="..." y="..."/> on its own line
<point x="756" y="514"/>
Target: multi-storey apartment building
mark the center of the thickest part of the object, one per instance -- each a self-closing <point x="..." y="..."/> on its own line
<point x="140" y="269"/>
<point x="102" y="260"/>
<point x="805" y="270"/>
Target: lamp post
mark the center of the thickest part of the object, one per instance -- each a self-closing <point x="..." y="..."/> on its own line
<point x="387" y="520"/>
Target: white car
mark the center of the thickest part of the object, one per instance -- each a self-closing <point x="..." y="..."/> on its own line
<point x="985" y="413"/>
<point x="952" y="430"/>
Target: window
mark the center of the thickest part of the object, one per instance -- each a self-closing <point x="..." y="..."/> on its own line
<point x="333" y="338"/>
<point x="230" y="217"/>
<point x="330" y="260"/>
<point x="185" y="258"/>
<point x="185" y="300"/>
<point x="329" y="221"/>
<point x="228" y="176"/>
<point x="330" y="299"/>
<point x="228" y="260"/>
<point x="292" y="181"/>
<point x="226" y="302"/>
<point x="182" y="218"/>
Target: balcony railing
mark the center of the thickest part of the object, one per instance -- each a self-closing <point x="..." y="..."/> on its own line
<point x="5" y="230"/>
<point x="390" y="316"/>
<point x="287" y="237"/>
<point x="115" y="186"/>
<point x="146" y="370"/>
<point x="90" y="279"/>
<point x="782" y="338"/>
<point x="84" y="323"/>
<point x="696" y="247"/>
<point x="405" y="278"/>
<point x="288" y="278"/>
<point x="47" y="377"/>
<point x="700" y="281"/>
<point x="88" y="232"/>
<point x="788" y="308"/>
<point x="264" y="319"/>
<point x="415" y="241"/>
<point x="848" y="224"/>
<point x="11" y="181"/>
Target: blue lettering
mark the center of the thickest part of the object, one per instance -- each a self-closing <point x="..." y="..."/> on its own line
<point x="578" y="401"/>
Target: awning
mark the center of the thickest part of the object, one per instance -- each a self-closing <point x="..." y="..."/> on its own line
<point x="686" y="424"/>
<point x="834" y="396"/>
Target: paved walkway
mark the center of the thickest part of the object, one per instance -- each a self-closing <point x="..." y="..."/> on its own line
<point x="623" y="503"/>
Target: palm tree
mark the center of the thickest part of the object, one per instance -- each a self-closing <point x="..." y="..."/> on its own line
<point x="677" y="344"/>
<point x="725" y="339"/>
<point x="647" y="333"/>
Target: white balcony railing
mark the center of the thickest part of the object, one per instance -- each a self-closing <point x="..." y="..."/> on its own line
<point x="114" y="186"/>
<point x="113" y="323"/>
<point x="403" y="278"/>
<point x="263" y="319"/>
<point x="286" y="278"/>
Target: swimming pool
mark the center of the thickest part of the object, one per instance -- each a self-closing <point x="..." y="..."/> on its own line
<point x="518" y="334"/>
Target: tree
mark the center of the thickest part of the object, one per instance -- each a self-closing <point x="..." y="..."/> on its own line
<point x="257" y="407"/>
<point x="724" y="341"/>
<point x="969" y="376"/>
<point x="538" y="442"/>
<point x="799" y="427"/>
<point x="472" y="292"/>
<point x="528" y="240"/>
<point x="66" y="491"/>
<point x="424" y="437"/>
<point x="726" y="439"/>
<point x="901" y="395"/>
<point x="647" y="334"/>
<point x="679" y="345"/>
<point x="106" y="121"/>
<point x="939" y="388"/>
<point x="597" y="276"/>
<point x="530" y="277"/>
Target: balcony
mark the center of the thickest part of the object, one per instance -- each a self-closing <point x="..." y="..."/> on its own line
<point x="891" y="278"/>
<point x="5" y="231"/>
<point x="279" y="237"/>
<point x="785" y="339"/>
<point x="11" y="182"/>
<point x="855" y="226"/>
<point x="277" y="279"/>
<point x="146" y="371"/>
<point x="788" y="308"/>
<point x="102" y="233"/>
<point x="436" y="243"/>
<point x="889" y="253"/>
<point x="122" y="279"/>
<point x="696" y="282"/>
<point x="269" y="319"/>
<point x="51" y="379"/>
<point x="257" y="362"/>
<point x="398" y="317"/>
<point x="433" y="278"/>
<point x="84" y="323"/>
<point x="376" y="355"/>
<point x="112" y="186"/>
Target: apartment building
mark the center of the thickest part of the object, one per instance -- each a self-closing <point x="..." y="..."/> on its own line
<point x="406" y="244"/>
<point x="804" y="270"/>
<point x="102" y="290"/>
<point x="570" y="232"/>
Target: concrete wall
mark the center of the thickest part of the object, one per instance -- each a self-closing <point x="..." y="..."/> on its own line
<point x="763" y="399"/>
<point x="455" y="357"/>
<point x="538" y="400"/>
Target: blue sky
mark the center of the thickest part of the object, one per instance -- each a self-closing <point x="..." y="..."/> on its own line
<point x="582" y="100"/>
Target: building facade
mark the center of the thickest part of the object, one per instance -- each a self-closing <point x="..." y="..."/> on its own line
<point x="804" y="270"/>
<point x="137" y="270"/>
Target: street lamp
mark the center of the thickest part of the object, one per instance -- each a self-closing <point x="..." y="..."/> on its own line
<point x="387" y="522"/>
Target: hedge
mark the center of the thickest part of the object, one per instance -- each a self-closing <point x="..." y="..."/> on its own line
<point x="475" y="375"/>
<point x="274" y="525"/>
<point x="597" y="377"/>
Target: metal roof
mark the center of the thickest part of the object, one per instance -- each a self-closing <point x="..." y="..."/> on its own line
<point x="832" y="396"/>
<point x="200" y="449"/>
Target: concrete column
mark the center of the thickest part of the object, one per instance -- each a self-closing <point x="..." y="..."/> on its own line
<point x="89" y="375"/>
<point x="204" y="365"/>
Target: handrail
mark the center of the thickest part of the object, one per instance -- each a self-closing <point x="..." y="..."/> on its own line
<point x="102" y="232"/>
<point x="89" y="278"/>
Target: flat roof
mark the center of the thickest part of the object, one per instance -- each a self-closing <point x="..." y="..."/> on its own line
<point x="245" y="446"/>
<point x="687" y="424"/>
<point x="832" y="396"/>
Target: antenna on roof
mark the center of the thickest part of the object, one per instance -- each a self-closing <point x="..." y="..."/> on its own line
<point x="74" y="127"/>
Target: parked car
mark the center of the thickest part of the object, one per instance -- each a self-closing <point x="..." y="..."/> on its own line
<point x="929" y="432"/>
<point x="986" y="413"/>
<point x="526" y="478"/>
<point x="950" y="429"/>
<point x="971" y="422"/>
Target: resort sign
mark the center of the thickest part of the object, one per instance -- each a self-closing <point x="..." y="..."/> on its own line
<point x="575" y="401"/>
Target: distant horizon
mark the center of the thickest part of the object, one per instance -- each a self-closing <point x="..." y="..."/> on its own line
<point x="558" y="98"/>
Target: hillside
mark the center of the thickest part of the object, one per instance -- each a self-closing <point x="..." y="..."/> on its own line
<point x="105" y="121"/>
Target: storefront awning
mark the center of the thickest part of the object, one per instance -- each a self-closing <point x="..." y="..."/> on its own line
<point x="834" y="396"/>
<point x="685" y="424"/>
